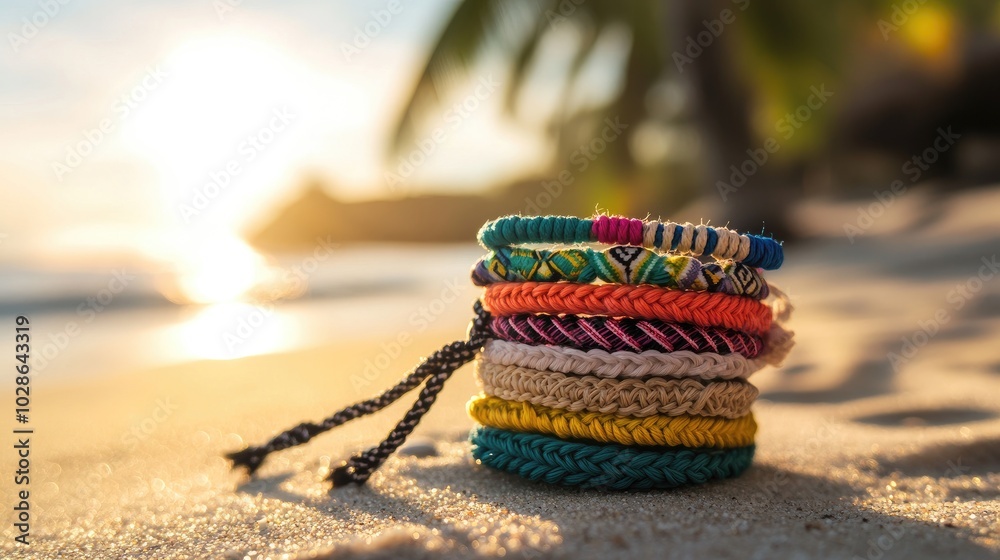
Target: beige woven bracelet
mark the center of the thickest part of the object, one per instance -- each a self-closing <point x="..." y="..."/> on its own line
<point x="624" y="397"/>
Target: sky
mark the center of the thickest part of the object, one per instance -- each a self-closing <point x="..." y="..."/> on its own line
<point x="154" y="125"/>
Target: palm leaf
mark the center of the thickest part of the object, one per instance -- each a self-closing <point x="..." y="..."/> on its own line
<point x="464" y="35"/>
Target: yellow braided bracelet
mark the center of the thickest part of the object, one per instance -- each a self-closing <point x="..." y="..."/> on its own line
<point x="689" y="431"/>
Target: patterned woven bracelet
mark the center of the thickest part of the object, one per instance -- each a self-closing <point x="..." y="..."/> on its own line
<point x="721" y="243"/>
<point x="689" y="431"/>
<point x="619" y="334"/>
<point x="617" y="467"/>
<point x="613" y="365"/>
<point x="641" y="302"/>
<point x="624" y="397"/>
<point x="620" y="265"/>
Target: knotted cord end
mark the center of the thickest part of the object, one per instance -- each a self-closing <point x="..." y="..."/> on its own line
<point x="342" y="475"/>
<point x="250" y="459"/>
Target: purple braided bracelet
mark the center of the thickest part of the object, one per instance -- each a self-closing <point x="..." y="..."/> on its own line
<point x="631" y="335"/>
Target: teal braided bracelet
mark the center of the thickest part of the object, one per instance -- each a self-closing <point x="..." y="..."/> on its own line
<point x="548" y="459"/>
<point x="618" y="265"/>
<point x="721" y="243"/>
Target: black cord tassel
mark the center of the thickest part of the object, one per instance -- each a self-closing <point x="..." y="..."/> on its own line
<point x="436" y="369"/>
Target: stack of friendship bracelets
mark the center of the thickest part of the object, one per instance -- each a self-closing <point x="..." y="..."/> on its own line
<point x="619" y="367"/>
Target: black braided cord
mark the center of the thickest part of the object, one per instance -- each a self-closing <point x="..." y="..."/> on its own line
<point x="436" y="369"/>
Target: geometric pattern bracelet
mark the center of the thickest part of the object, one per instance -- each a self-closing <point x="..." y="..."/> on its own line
<point x="619" y="265"/>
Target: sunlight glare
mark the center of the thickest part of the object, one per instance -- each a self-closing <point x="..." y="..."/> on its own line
<point x="228" y="331"/>
<point x="220" y="94"/>
<point x="218" y="269"/>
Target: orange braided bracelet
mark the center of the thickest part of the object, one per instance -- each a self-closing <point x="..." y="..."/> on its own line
<point x="644" y="302"/>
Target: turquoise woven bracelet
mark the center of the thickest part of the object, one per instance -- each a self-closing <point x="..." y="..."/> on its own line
<point x="722" y="243"/>
<point x="555" y="461"/>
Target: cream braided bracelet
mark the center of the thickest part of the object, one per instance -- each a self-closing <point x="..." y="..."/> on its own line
<point x="624" y="364"/>
<point x="624" y="397"/>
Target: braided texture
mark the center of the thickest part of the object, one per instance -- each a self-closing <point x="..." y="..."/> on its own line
<point x="621" y="334"/>
<point x="688" y="431"/>
<point x="620" y="265"/>
<point x="721" y="243"/>
<point x="613" y="365"/>
<point x="617" y="467"/>
<point x="641" y="302"/>
<point x="637" y="398"/>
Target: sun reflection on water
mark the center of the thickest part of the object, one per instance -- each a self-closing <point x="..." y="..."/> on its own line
<point x="231" y="298"/>
<point x="231" y="330"/>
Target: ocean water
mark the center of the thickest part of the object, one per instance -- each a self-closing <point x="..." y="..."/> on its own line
<point x="86" y="323"/>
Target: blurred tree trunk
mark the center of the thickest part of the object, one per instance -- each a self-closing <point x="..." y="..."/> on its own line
<point x="723" y="103"/>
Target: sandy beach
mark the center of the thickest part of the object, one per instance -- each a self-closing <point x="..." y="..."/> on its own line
<point x="875" y="441"/>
